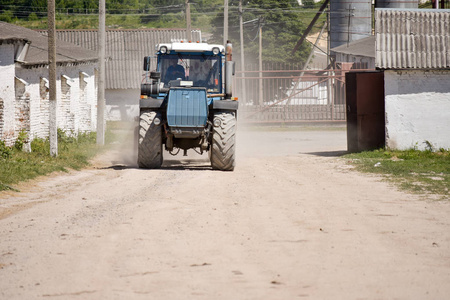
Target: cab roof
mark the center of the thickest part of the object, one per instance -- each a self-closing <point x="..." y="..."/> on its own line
<point x="190" y="47"/>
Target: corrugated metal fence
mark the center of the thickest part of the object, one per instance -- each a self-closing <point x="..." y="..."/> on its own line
<point x="289" y="94"/>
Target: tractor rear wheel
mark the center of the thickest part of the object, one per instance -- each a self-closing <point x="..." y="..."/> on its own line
<point x="150" y="149"/>
<point x="223" y="142"/>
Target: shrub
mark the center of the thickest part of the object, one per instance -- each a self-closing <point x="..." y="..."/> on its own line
<point x="5" y="152"/>
<point x="21" y="139"/>
<point x="40" y="146"/>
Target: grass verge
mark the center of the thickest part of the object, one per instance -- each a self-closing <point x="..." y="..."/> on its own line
<point x="412" y="170"/>
<point x="73" y="153"/>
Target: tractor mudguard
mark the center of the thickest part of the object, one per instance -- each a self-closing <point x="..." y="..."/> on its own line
<point x="151" y="103"/>
<point x="230" y="105"/>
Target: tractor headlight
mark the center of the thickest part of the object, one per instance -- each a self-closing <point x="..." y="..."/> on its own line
<point x="157" y="121"/>
<point x="215" y="51"/>
<point x="163" y="49"/>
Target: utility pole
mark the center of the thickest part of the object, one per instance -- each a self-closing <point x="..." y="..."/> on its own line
<point x="329" y="64"/>
<point x="53" y="103"/>
<point x="225" y="22"/>
<point x="261" y="89"/>
<point x="188" y="21"/>
<point x="101" y="73"/>
<point x="350" y="15"/>
<point x="241" y="35"/>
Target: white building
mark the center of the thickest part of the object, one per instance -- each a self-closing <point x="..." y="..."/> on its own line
<point x="360" y="53"/>
<point x="24" y="99"/>
<point x="413" y="49"/>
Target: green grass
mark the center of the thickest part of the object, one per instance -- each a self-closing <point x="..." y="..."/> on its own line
<point x="73" y="153"/>
<point x="412" y="170"/>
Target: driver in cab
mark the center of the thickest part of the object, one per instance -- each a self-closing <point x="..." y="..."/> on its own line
<point x="174" y="71"/>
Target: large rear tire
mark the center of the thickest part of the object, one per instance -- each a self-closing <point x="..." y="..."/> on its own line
<point x="150" y="149"/>
<point x="224" y="142"/>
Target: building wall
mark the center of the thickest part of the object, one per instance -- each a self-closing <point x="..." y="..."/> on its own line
<point x="122" y="104"/>
<point x="7" y="93"/>
<point x="417" y="107"/>
<point x="28" y="104"/>
<point x="341" y="57"/>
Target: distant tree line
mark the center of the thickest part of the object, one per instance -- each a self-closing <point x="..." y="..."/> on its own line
<point x="282" y="21"/>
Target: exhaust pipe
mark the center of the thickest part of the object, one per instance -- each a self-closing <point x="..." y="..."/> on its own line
<point x="229" y="72"/>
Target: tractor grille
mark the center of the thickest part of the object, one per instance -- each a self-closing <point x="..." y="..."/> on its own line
<point x="187" y="108"/>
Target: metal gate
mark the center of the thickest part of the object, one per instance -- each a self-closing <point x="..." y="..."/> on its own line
<point x="283" y="96"/>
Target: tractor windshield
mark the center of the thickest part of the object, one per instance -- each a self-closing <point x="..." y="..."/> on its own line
<point x="202" y="70"/>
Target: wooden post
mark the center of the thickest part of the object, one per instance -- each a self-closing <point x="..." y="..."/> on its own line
<point x="188" y="21"/>
<point x="261" y="89"/>
<point x="241" y="36"/>
<point x="225" y="22"/>
<point x="53" y="103"/>
<point x="101" y="74"/>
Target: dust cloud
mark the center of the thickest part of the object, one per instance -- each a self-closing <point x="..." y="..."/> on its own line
<point x="251" y="141"/>
<point x="124" y="148"/>
<point x="276" y="140"/>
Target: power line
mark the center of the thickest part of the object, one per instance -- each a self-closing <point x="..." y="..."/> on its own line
<point x="143" y="11"/>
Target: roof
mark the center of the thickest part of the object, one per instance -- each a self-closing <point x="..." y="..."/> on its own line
<point x="412" y="38"/>
<point x="191" y="47"/>
<point x="363" y="47"/>
<point x="125" y="50"/>
<point x="11" y="40"/>
<point x="37" y="54"/>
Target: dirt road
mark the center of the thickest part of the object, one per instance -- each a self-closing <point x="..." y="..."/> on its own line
<point x="291" y="222"/>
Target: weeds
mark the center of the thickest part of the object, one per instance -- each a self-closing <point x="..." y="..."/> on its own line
<point x="21" y="140"/>
<point x="74" y="152"/>
<point x="5" y="152"/>
<point x="413" y="170"/>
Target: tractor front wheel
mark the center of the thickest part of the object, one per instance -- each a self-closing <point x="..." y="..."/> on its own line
<point x="223" y="141"/>
<point x="150" y="149"/>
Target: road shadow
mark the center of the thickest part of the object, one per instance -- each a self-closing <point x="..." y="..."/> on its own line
<point x="186" y="164"/>
<point x="118" y="167"/>
<point x="170" y="164"/>
<point x="327" y="153"/>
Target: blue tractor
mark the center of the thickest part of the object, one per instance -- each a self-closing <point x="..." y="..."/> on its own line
<point x="186" y="103"/>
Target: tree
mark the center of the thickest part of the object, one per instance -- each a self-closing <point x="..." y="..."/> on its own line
<point x="281" y="24"/>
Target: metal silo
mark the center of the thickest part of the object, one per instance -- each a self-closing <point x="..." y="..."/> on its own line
<point x="350" y="20"/>
<point x="397" y="3"/>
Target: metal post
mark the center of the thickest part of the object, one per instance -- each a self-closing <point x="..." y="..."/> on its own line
<point x="53" y="103"/>
<point x="101" y="74"/>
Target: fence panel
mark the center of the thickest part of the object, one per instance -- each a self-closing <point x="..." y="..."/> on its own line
<point x="290" y="94"/>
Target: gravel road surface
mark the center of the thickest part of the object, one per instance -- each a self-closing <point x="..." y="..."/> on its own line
<point x="293" y="221"/>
